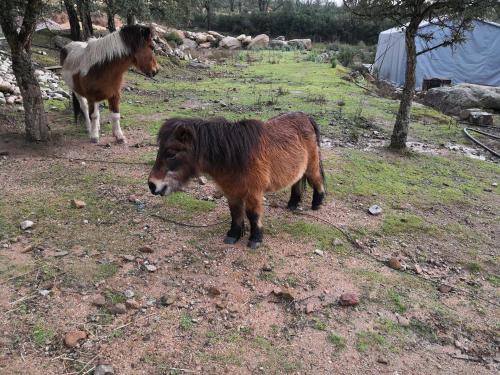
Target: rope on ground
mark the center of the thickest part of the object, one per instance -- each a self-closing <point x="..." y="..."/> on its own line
<point x="189" y="224"/>
<point x="466" y="131"/>
<point x="98" y="160"/>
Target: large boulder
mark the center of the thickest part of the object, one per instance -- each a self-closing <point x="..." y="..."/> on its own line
<point x="278" y="44"/>
<point x="230" y="43"/>
<point x="301" y="43"/>
<point x="216" y="35"/>
<point x="200" y="38"/>
<point x="453" y="99"/>
<point x="260" y="41"/>
<point x="188" y="44"/>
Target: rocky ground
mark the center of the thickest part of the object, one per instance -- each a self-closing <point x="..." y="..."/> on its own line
<point x="98" y="276"/>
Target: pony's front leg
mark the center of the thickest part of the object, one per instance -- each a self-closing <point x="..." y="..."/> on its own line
<point x="255" y="210"/>
<point x="114" y="107"/>
<point x="94" y="121"/>
<point x="84" y="107"/>
<point x="237" y="221"/>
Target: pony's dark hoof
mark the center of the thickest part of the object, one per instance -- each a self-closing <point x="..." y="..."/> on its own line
<point x="254" y="244"/>
<point x="94" y="140"/>
<point x="316" y="207"/>
<point x="121" y="141"/>
<point x="230" y="240"/>
<point x="293" y="207"/>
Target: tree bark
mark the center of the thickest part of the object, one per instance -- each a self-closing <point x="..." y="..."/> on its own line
<point x="400" y="131"/>
<point x="110" y="12"/>
<point x="73" y="20"/>
<point x="83" y="7"/>
<point x="37" y="128"/>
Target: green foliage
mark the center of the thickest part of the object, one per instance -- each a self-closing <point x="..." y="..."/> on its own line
<point x="186" y="322"/>
<point x="346" y="56"/>
<point x="334" y="62"/>
<point x="174" y="38"/>
<point x="188" y="203"/>
<point x="41" y="335"/>
<point x="337" y="341"/>
<point x="367" y="340"/>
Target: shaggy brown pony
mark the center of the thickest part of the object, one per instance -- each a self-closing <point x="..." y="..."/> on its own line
<point x="246" y="159"/>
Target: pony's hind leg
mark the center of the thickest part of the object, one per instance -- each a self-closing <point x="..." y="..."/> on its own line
<point x="315" y="178"/>
<point x="296" y="195"/>
<point x="254" y="211"/>
<point x="237" y="221"/>
<point x="94" y="121"/>
<point x="114" y="107"/>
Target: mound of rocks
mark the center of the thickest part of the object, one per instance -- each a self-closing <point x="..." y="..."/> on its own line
<point x="454" y="99"/>
<point x="11" y="94"/>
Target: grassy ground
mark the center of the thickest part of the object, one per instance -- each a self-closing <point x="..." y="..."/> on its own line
<point x="439" y="217"/>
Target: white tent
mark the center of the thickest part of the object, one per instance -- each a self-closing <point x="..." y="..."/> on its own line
<point x="477" y="60"/>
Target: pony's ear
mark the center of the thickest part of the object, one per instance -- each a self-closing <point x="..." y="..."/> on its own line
<point x="184" y="135"/>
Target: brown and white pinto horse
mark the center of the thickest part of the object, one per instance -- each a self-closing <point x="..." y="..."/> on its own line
<point x="246" y="159"/>
<point x="94" y="71"/>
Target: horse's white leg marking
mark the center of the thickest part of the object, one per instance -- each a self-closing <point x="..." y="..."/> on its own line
<point x="117" y="131"/>
<point x="94" y="132"/>
<point x="85" y="109"/>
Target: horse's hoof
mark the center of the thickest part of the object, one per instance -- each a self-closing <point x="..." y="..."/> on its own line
<point x="230" y="240"/>
<point x="121" y="141"/>
<point x="94" y="140"/>
<point x="254" y="244"/>
<point x="292" y="207"/>
<point x="316" y="207"/>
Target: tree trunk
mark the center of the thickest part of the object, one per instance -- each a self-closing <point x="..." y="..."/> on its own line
<point x="400" y="131"/>
<point x="110" y="12"/>
<point x="37" y="128"/>
<point x="84" y="11"/>
<point x="73" y="20"/>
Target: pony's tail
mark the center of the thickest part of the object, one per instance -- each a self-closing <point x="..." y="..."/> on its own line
<point x="318" y="142"/>
<point x="76" y="107"/>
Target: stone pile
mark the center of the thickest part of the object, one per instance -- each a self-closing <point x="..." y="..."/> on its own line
<point x="10" y="92"/>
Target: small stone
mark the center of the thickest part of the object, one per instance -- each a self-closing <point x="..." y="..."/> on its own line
<point x="71" y="338"/>
<point x="146" y="250"/>
<point x="104" y="370"/>
<point x="76" y="203"/>
<point x="213" y="291"/>
<point x="166" y="300"/>
<point x="494" y="184"/>
<point x="443" y="288"/>
<point x="202" y="180"/>
<point x="44" y="292"/>
<point x="405" y="322"/>
<point x="337" y="242"/>
<point x="128" y="258"/>
<point x="99" y="301"/>
<point x="129" y="293"/>
<point x="488" y="190"/>
<point x="349" y="299"/>
<point x="382" y="360"/>
<point x="284" y="293"/>
<point x="375" y="210"/>
<point x="310" y="308"/>
<point x="119" y="308"/>
<point x="150" y="267"/>
<point x="132" y="304"/>
<point x="418" y="269"/>
<point x="27" y="224"/>
<point x="319" y="252"/>
<point x="267" y="267"/>
<point x="60" y="254"/>
<point x="132" y="198"/>
<point x="394" y="263"/>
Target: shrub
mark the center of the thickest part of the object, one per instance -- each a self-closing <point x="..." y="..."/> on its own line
<point x="346" y="56"/>
<point x="334" y="62"/>
<point x="174" y="38"/>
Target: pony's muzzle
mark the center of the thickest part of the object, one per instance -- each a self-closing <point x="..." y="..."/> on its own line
<point x="154" y="189"/>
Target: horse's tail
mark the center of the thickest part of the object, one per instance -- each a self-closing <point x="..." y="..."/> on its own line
<point x="318" y="142"/>
<point x="76" y="107"/>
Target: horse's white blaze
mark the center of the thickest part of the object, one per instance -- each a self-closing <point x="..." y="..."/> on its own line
<point x="115" y="121"/>
<point x="84" y="55"/>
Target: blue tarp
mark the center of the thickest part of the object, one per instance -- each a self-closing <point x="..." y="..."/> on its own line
<point x="477" y="60"/>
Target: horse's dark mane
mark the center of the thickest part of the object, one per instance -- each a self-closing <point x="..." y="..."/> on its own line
<point x="222" y="144"/>
<point x="135" y="36"/>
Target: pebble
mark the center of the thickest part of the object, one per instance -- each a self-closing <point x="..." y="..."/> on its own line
<point x="150" y="267"/>
<point x="284" y="293"/>
<point x="337" y="242"/>
<point x="99" y="301"/>
<point x="418" y="269"/>
<point x="375" y="210"/>
<point x="267" y="267"/>
<point x="146" y="250"/>
<point x="119" y="308"/>
<point x="76" y="203"/>
<point x="104" y="370"/>
<point x="132" y="304"/>
<point x="349" y="299"/>
<point x="382" y="360"/>
<point x="27" y="224"/>
<point x="405" y="322"/>
<point x="71" y="338"/>
<point x="494" y="184"/>
<point x="213" y="291"/>
<point x="166" y="300"/>
<point x="319" y="252"/>
<point x="394" y="263"/>
<point x="128" y="258"/>
<point x="132" y="198"/>
<point x="60" y="254"/>
<point x="129" y="293"/>
<point x="443" y="288"/>
<point x="202" y="180"/>
<point x="44" y="292"/>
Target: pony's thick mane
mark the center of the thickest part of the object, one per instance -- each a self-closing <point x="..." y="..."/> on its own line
<point x="82" y="56"/>
<point x="224" y="145"/>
